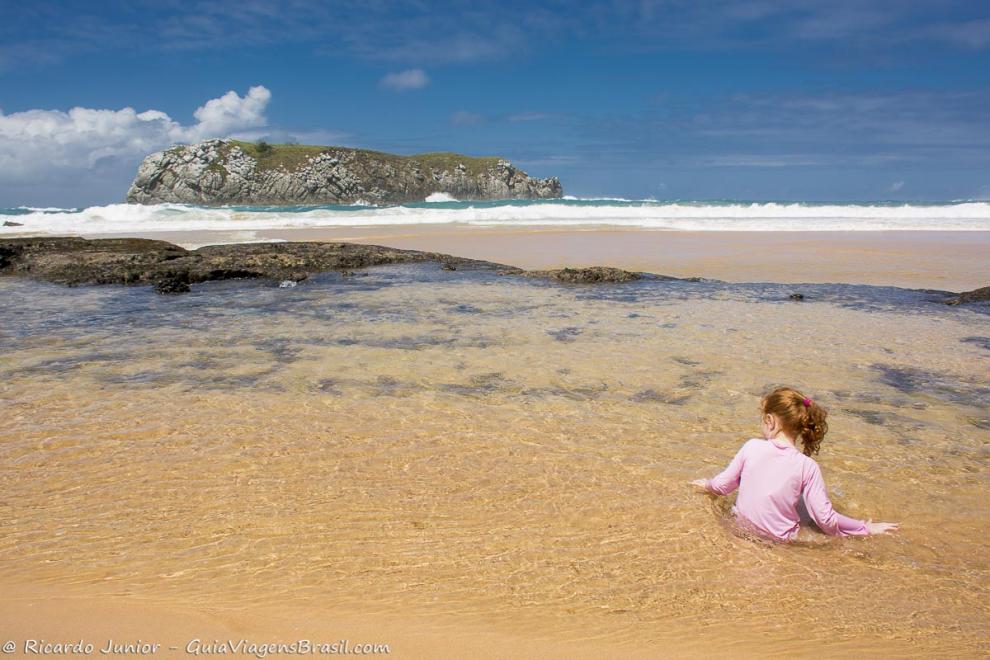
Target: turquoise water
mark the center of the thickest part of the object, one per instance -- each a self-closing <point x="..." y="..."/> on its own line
<point x="566" y="202"/>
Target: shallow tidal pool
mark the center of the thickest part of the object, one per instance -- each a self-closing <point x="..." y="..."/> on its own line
<point x="498" y="448"/>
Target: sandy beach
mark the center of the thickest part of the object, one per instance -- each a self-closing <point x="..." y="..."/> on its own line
<point x="951" y="261"/>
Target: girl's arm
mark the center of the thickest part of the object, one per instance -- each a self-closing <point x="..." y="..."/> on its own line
<point x="728" y="480"/>
<point x="820" y="507"/>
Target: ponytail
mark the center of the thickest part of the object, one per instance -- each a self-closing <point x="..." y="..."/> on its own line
<point x="799" y="416"/>
<point x="813" y="428"/>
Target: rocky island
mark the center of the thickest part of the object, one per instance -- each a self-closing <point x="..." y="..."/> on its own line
<point x="218" y="172"/>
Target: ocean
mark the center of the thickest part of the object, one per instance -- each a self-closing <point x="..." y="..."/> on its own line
<point x="566" y="212"/>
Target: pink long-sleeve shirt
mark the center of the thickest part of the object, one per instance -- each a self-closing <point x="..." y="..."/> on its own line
<point x="771" y="480"/>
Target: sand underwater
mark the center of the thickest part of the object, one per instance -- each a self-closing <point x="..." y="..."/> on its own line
<point x="466" y="462"/>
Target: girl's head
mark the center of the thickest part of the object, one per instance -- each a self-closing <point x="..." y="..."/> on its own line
<point x="788" y="410"/>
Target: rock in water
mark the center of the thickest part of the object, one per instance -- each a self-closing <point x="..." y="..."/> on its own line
<point x="976" y="295"/>
<point x="233" y="172"/>
<point x="172" y="269"/>
<point x="172" y="282"/>
<point x="592" y="275"/>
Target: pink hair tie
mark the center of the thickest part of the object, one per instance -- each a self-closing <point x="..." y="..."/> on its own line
<point x="807" y="403"/>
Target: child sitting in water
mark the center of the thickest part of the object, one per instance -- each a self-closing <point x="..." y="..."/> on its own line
<point x="773" y="476"/>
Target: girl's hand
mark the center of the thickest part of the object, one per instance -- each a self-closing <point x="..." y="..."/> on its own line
<point x="881" y="527"/>
<point x="701" y="485"/>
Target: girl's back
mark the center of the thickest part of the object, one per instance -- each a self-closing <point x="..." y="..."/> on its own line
<point x="771" y="480"/>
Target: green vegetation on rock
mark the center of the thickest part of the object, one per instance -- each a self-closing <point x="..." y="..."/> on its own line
<point x="291" y="157"/>
<point x="445" y="160"/>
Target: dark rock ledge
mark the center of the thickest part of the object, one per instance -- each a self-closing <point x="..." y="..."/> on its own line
<point x="171" y="269"/>
<point x="601" y="275"/>
<point x="592" y="275"/>
<point x="976" y="295"/>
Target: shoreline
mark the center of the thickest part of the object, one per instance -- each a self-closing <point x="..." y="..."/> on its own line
<point x="946" y="260"/>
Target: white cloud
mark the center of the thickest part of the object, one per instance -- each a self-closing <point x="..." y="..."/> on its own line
<point x="465" y="118"/>
<point x="896" y="186"/>
<point x="528" y="116"/>
<point x="402" y="81"/>
<point x="230" y="112"/>
<point x="49" y="146"/>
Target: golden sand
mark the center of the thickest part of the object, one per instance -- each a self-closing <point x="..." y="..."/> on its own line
<point x="486" y="468"/>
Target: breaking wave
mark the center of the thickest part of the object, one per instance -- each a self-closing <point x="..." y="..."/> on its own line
<point x="568" y="212"/>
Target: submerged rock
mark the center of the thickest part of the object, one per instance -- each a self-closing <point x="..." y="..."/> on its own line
<point x="592" y="275"/>
<point x="172" y="282"/>
<point x="796" y="296"/>
<point x="976" y="295"/>
<point x="233" y="172"/>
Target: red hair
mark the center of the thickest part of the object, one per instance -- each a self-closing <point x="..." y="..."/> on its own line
<point x="798" y="415"/>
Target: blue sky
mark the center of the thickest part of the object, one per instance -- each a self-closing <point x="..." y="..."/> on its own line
<point x="757" y="99"/>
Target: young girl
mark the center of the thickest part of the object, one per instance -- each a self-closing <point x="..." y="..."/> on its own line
<point x="773" y="476"/>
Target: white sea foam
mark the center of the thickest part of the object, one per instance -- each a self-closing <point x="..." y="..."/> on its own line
<point x="128" y="218"/>
<point x="439" y="197"/>
<point x="45" y="209"/>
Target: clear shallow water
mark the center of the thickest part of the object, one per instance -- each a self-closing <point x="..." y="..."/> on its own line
<point x="498" y="448"/>
<point x="567" y="212"/>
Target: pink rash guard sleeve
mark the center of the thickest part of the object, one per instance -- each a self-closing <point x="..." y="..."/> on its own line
<point x="728" y="480"/>
<point x="820" y="507"/>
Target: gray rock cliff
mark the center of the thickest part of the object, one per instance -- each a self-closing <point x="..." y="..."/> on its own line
<point x="232" y="172"/>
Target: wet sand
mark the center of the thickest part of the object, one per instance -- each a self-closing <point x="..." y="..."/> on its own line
<point x="950" y="261"/>
<point x="189" y="629"/>
<point x="180" y="630"/>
